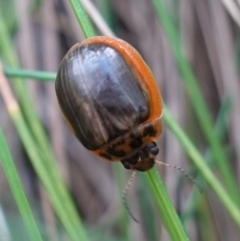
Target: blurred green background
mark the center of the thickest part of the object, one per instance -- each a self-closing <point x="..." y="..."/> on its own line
<point x="182" y="42"/>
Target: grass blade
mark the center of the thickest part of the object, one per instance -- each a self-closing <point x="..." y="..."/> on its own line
<point x="38" y="147"/>
<point x="202" y="167"/>
<point x="82" y="18"/>
<point x="165" y="206"/>
<point x="196" y="98"/>
<point x="29" y="74"/>
<point x="17" y="190"/>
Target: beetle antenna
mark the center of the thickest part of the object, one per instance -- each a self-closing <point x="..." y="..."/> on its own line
<point x="179" y="168"/>
<point x="124" y="194"/>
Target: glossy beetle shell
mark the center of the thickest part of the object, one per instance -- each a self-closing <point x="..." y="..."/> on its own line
<point x="110" y="100"/>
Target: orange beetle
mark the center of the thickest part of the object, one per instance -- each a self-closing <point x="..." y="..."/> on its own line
<point x="110" y="101"/>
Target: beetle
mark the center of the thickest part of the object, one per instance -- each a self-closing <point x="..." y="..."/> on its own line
<point x="110" y="101"/>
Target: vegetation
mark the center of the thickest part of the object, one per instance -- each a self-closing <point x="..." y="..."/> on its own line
<point x="59" y="190"/>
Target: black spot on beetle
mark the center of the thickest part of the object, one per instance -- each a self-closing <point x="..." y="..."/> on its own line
<point x="114" y="152"/>
<point x="136" y="143"/>
<point x="149" y="131"/>
<point x="131" y="160"/>
<point x="132" y="136"/>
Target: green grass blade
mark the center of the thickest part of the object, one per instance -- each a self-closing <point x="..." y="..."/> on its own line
<point x="120" y="177"/>
<point x="220" y="130"/>
<point x="149" y="222"/>
<point x="206" y="222"/>
<point x="202" y="167"/>
<point x="75" y="230"/>
<point x="82" y="18"/>
<point x="17" y="190"/>
<point x="29" y="74"/>
<point x="165" y="206"/>
<point x="198" y="103"/>
<point x="40" y="143"/>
